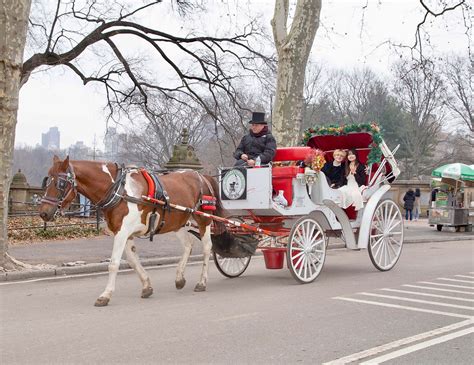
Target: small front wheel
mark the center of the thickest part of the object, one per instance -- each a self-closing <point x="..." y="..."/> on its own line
<point x="230" y="266"/>
<point x="439" y="227"/>
<point x="306" y="250"/>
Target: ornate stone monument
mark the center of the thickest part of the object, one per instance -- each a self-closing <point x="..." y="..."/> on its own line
<point x="184" y="156"/>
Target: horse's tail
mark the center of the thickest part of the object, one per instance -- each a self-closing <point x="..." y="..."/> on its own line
<point x="220" y="210"/>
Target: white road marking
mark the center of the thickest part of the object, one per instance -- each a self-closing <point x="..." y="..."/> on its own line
<point x="457" y="280"/>
<point x="438" y="289"/>
<point x="450" y="285"/>
<point x="415" y="309"/>
<point x="418" y="301"/>
<point x="465" y="276"/>
<point x="428" y="294"/>
<point x="401" y="342"/>
<point x="74" y="276"/>
<point x="419" y="346"/>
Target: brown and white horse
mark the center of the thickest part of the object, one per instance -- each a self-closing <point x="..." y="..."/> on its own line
<point x="98" y="181"/>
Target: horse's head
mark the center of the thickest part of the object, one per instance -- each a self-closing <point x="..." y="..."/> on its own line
<point x="60" y="189"/>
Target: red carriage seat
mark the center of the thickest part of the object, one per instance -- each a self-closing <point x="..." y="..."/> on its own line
<point x="282" y="176"/>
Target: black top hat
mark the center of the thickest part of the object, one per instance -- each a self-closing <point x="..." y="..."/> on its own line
<point x="258" y="118"/>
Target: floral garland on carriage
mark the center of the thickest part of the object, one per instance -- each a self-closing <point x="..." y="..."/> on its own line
<point x="339" y="130"/>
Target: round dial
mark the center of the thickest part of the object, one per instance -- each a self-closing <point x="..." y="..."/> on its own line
<point x="233" y="184"/>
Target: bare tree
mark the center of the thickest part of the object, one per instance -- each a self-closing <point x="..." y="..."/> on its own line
<point x="293" y="49"/>
<point x="459" y="73"/>
<point x="420" y="90"/>
<point x="156" y="129"/>
<point x="81" y="28"/>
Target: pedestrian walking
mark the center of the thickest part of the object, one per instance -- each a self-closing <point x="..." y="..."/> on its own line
<point x="409" y="200"/>
<point x="417" y="205"/>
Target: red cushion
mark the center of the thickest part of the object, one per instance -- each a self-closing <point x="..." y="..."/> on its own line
<point x="286" y="171"/>
<point x="291" y="153"/>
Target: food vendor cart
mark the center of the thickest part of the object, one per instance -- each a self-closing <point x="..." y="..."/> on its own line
<point x="453" y="203"/>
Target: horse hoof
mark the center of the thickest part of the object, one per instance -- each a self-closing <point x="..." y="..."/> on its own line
<point x="147" y="292"/>
<point x="199" y="288"/>
<point x="101" y="302"/>
<point x="180" y="283"/>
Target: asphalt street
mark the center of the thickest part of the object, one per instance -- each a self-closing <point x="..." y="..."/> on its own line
<point x="420" y="312"/>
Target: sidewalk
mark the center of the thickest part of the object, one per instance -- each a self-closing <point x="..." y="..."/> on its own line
<point x="91" y="254"/>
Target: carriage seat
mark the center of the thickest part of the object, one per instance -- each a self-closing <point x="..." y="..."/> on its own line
<point x="282" y="176"/>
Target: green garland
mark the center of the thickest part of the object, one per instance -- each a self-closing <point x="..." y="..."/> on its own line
<point x="339" y="130"/>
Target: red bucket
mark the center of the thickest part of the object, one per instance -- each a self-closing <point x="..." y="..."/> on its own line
<point x="274" y="257"/>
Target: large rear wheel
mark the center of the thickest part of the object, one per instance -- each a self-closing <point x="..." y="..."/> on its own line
<point x="306" y="250"/>
<point x="386" y="235"/>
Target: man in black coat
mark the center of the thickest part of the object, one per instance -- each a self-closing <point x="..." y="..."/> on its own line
<point x="258" y="144"/>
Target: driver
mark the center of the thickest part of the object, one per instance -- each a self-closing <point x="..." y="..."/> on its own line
<point x="258" y="145"/>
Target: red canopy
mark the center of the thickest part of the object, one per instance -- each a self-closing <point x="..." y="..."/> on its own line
<point x="346" y="141"/>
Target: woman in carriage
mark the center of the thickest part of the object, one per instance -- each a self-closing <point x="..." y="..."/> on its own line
<point x="352" y="181"/>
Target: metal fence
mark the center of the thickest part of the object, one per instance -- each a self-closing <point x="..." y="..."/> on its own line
<point x="88" y="213"/>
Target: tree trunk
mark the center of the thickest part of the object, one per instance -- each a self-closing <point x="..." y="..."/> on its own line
<point x="13" y="26"/>
<point x="293" y="49"/>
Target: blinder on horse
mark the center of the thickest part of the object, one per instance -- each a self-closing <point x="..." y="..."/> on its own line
<point x="63" y="181"/>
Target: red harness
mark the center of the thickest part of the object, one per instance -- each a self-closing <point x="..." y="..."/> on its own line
<point x="150" y="182"/>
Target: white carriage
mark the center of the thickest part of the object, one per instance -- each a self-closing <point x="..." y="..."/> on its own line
<point x="301" y="229"/>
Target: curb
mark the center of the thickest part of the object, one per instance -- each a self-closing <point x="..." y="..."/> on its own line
<point x="62" y="271"/>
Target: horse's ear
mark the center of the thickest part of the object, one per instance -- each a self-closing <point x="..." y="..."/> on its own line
<point x="65" y="163"/>
<point x="55" y="158"/>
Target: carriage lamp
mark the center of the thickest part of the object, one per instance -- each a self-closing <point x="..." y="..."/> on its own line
<point x="310" y="176"/>
<point x="301" y="178"/>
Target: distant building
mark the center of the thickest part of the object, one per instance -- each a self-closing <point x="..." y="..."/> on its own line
<point x="115" y="144"/>
<point x="50" y="140"/>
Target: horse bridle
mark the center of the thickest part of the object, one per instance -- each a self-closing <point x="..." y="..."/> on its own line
<point x="65" y="184"/>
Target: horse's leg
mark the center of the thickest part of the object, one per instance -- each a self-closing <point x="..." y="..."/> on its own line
<point x="187" y="242"/>
<point x="206" y="250"/>
<point x="134" y="262"/>
<point x="120" y="240"/>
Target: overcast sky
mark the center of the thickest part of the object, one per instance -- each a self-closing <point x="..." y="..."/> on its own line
<point x="58" y="98"/>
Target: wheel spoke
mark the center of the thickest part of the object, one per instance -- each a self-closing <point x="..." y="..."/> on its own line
<point x="395" y="225"/>
<point x="316" y="244"/>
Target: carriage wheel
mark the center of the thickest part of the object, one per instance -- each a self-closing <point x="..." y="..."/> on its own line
<point x="306" y="250"/>
<point x="230" y="266"/>
<point x="386" y="235"/>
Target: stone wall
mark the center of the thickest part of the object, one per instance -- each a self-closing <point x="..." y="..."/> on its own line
<point x="400" y="187"/>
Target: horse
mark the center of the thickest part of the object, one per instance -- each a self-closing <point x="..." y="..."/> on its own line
<point x="118" y="191"/>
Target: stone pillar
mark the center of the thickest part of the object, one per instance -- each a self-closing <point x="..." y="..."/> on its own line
<point x="18" y="192"/>
<point x="184" y="156"/>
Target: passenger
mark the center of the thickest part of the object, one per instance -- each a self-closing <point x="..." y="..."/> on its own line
<point x="353" y="178"/>
<point x="258" y="145"/>
<point x="334" y="170"/>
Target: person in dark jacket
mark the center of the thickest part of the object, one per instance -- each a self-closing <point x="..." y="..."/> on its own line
<point x="334" y="170"/>
<point x="409" y="200"/>
<point x="259" y="144"/>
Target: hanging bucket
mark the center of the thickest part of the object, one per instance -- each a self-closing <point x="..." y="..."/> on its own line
<point x="274" y="257"/>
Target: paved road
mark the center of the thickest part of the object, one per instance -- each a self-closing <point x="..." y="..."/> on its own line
<point x="262" y="317"/>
